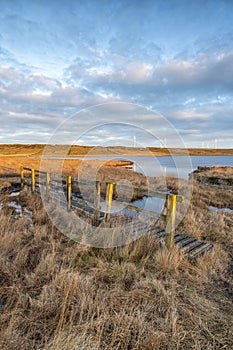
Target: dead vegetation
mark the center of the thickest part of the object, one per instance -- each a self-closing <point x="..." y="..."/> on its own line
<point x="58" y="294"/>
<point x="214" y="176"/>
<point x="76" y="150"/>
<point x="67" y="167"/>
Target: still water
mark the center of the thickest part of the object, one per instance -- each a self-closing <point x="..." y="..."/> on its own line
<point x="179" y="166"/>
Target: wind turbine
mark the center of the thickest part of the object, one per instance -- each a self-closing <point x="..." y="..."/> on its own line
<point x="215" y="143"/>
<point x="134" y="141"/>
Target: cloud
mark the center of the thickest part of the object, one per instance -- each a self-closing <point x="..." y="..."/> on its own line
<point x="19" y="89"/>
<point x="35" y="101"/>
<point x="204" y="73"/>
<point x="186" y="115"/>
<point x="57" y="59"/>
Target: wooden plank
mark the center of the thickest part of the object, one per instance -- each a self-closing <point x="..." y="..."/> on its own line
<point x="27" y="169"/>
<point x="178" y="237"/>
<point x="200" y="250"/>
<point x="158" y="232"/>
<point x="192" y="245"/>
<point x="186" y="241"/>
<point x="78" y="201"/>
<point x="40" y="172"/>
<point x="83" y="182"/>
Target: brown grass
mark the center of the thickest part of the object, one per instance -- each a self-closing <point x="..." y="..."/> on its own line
<point x="69" y="166"/>
<point x="58" y="294"/>
<point x="75" y="150"/>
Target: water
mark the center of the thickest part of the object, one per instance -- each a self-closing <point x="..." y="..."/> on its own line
<point x="153" y="204"/>
<point x="179" y="166"/>
<point x="14" y="194"/>
<point x="224" y="210"/>
<point x="150" y="204"/>
<point x="18" y="209"/>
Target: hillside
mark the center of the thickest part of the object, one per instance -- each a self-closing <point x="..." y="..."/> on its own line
<point x="37" y="150"/>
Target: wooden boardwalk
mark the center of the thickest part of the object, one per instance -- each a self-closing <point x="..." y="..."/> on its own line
<point x="60" y="188"/>
<point x="188" y="245"/>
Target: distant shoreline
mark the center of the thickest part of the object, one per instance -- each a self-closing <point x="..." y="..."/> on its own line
<point x="18" y="150"/>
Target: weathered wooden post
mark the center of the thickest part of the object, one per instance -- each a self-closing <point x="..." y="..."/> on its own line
<point x="68" y="191"/>
<point x="97" y="202"/>
<point x="22" y="176"/>
<point x="170" y="220"/>
<point x="33" y="180"/>
<point x="109" y="195"/>
<point x="47" y="184"/>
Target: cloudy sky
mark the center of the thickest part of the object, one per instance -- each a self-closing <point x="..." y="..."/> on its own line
<point x="173" y="58"/>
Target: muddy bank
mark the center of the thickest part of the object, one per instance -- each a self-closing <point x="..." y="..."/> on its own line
<point x="218" y="176"/>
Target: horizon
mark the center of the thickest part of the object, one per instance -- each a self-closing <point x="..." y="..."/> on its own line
<point x="78" y="69"/>
<point x="115" y="146"/>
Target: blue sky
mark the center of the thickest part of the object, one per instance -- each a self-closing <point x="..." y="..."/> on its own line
<point x="171" y="57"/>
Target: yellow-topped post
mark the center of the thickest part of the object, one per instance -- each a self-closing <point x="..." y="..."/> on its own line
<point x="170" y="220"/>
<point x="33" y="180"/>
<point x="109" y="195"/>
<point x="68" y="189"/>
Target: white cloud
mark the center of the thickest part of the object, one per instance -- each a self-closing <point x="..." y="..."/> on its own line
<point x="191" y="115"/>
<point x="199" y="74"/>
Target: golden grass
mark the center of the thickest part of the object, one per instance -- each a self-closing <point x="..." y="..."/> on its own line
<point x="58" y="294"/>
<point x="37" y="149"/>
<point x="69" y="166"/>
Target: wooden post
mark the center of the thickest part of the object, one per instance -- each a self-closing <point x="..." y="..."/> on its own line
<point x="109" y="195"/>
<point x="170" y="220"/>
<point x="22" y="176"/>
<point x="97" y="202"/>
<point x="68" y="188"/>
<point x="33" y="180"/>
<point x="47" y="184"/>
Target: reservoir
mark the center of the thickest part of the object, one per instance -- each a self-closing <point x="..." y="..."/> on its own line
<point x="179" y="166"/>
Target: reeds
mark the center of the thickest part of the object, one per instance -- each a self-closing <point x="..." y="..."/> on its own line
<point x="57" y="294"/>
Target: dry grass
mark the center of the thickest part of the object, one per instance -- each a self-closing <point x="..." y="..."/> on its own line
<point x="75" y="150"/>
<point x="69" y="166"/>
<point x="57" y="294"/>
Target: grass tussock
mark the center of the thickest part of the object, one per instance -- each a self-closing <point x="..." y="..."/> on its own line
<point x="58" y="294"/>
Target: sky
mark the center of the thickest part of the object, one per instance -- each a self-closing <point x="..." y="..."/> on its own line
<point x="134" y="60"/>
